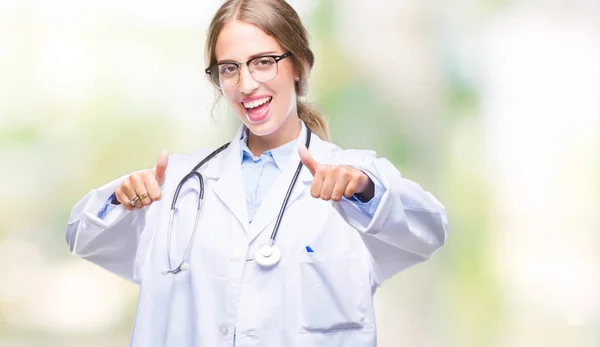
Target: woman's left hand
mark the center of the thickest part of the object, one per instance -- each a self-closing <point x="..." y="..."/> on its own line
<point x="331" y="182"/>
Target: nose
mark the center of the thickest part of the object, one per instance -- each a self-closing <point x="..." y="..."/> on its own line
<point x="247" y="83"/>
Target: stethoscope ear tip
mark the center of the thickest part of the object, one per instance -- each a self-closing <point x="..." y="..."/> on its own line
<point x="185" y="267"/>
<point x="164" y="272"/>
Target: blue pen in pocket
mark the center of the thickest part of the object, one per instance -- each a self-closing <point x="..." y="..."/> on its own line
<point x="309" y="250"/>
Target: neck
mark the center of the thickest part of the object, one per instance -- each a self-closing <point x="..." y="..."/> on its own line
<point x="288" y="131"/>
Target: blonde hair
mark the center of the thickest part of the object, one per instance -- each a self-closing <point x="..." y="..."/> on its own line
<point x="279" y="20"/>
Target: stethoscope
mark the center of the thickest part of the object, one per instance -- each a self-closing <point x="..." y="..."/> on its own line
<point x="266" y="256"/>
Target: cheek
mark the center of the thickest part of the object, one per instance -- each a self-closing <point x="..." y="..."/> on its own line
<point x="231" y="98"/>
<point x="286" y="91"/>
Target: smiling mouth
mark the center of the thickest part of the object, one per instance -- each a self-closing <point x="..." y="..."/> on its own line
<point x="256" y="103"/>
<point x="257" y="110"/>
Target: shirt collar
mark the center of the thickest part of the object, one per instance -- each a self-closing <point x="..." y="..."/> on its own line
<point x="280" y="154"/>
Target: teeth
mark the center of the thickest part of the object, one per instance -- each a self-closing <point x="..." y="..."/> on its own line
<point x="256" y="103"/>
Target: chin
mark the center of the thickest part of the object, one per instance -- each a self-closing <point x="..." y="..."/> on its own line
<point x="266" y="127"/>
<point x="261" y="129"/>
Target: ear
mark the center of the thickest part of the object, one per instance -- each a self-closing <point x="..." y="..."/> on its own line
<point x="300" y="79"/>
<point x="306" y="67"/>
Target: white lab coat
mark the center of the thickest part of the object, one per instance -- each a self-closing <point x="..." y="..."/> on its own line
<point x="320" y="298"/>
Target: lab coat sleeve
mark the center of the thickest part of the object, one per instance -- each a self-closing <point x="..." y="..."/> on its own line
<point x="368" y="208"/>
<point x="111" y="242"/>
<point x="409" y="225"/>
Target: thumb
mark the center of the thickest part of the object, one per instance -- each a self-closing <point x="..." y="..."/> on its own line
<point x="307" y="159"/>
<point x="161" y="166"/>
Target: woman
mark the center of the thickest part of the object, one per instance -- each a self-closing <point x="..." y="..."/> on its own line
<point x="350" y="220"/>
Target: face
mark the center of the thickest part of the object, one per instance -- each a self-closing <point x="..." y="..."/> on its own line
<point x="266" y="108"/>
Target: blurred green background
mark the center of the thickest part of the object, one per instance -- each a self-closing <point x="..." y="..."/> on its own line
<point x="493" y="106"/>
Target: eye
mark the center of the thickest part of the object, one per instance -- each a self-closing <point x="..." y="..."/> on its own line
<point x="263" y="62"/>
<point x="228" y="69"/>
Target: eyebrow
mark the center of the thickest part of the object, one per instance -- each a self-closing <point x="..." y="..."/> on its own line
<point x="251" y="57"/>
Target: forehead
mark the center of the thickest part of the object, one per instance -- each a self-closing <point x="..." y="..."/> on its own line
<point x="238" y="41"/>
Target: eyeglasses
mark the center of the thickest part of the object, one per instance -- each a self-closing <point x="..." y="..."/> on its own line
<point x="262" y="69"/>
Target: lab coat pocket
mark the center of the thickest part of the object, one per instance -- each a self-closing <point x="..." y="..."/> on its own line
<point x="333" y="295"/>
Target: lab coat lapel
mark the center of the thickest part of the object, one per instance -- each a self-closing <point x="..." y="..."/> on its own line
<point x="269" y="209"/>
<point x="230" y="185"/>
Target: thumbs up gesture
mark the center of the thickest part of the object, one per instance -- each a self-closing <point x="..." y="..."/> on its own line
<point x="331" y="182"/>
<point x="142" y="188"/>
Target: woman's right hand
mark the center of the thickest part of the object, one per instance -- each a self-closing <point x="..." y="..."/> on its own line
<point x="144" y="184"/>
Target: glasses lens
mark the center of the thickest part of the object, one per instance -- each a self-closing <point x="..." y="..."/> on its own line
<point x="226" y="75"/>
<point x="263" y="69"/>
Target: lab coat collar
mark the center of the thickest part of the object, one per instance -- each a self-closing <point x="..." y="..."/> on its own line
<point x="214" y="168"/>
<point x="229" y="187"/>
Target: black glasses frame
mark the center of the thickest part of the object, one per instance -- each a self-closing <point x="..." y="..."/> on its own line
<point x="277" y="58"/>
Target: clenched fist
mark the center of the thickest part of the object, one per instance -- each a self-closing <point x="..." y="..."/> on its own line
<point x="143" y="187"/>
<point x="331" y="182"/>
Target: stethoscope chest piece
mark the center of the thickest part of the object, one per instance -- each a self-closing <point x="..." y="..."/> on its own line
<point x="267" y="255"/>
<point x="181" y="268"/>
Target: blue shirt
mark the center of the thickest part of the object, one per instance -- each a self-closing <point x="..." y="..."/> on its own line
<point x="260" y="172"/>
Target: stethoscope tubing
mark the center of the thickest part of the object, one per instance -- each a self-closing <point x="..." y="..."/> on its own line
<point x="194" y="173"/>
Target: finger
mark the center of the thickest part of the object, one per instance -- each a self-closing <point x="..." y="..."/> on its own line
<point x="121" y="197"/>
<point x="351" y="188"/>
<point x="161" y="166"/>
<point x="139" y="187"/>
<point x="317" y="182"/>
<point x="328" y="184"/>
<point x="146" y="178"/>
<point x="340" y="186"/>
<point x="125" y="193"/>
<point x="307" y="159"/>
<point x="152" y="187"/>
